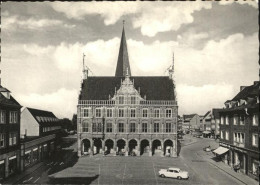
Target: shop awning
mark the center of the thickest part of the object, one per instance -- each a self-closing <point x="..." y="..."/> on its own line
<point x="221" y="150"/>
<point x="206" y="132"/>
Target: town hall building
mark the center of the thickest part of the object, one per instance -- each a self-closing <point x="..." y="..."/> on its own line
<point x="125" y="114"/>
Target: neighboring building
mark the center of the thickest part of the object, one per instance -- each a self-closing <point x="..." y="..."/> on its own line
<point x="125" y="113"/>
<point x="215" y="121"/>
<point x="9" y="134"/>
<point x="40" y="132"/>
<point x="191" y="122"/>
<point x="180" y="122"/>
<point x="239" y="131"/>
<point x="206" y="121"/>
<point x="35" y="122"/>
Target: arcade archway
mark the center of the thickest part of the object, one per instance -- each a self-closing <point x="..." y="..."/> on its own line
<point x="156" y="147"/>
<point x="132" y="145"/>
<point x="85" y="146"/>
<point x="168" y="147"/>
<point x="144" y="147"/>
<point x="97" y="146"/>
<point x="109" y="145"/>
<point x="120" y="145"/>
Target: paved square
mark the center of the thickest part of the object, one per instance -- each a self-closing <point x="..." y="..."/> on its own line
<point x="124" y="170"/>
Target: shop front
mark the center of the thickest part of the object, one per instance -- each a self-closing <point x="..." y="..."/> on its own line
<point x="2" y="170"/>
<point x="12" y="165"/>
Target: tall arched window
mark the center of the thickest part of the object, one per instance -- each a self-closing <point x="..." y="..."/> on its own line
<point x="85" y="126"/>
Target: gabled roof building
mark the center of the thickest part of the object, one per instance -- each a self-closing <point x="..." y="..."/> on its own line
<point x="127" y="114"/>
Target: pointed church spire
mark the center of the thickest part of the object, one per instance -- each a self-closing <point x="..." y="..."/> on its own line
<point x="123" y="60"/>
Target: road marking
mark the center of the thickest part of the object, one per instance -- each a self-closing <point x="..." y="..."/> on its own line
<point x="155" y="174"/>
<point x="27" y="180"/>
<point x="98" y="173"/>
<point x="123" y="175"/>
<point x="36" y="180"/>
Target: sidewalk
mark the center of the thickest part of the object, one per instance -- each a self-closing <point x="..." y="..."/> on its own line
<point x="14" y="179"/>
<point x="224" y="167"/>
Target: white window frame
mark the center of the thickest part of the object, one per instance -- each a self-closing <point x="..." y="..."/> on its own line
<point x="109" y="123"/>
<point x="254" y="140"/>
<point x="2" y="139"/>
<point x="85" y="128"/>
<point x="222" y="120"/>
<point x="144" y="127"/>
<point x="156" y="127"/>
<point x="227" y="120"/>
<point x="143" y="114"/>
<point x="13" y="117"/>
<point x="109" y="112"/>
<point x="168" y="114"/>
<point x="235" y="119"/>
<point x="123" y="128"/>
<point x="86" y="114"/>
<point x="167" y="128"/>
<point x="242" y="121"/>
<point x="2" y="116"/>
<point x="155" y="113"/>
<point x="132" y="127"/>
<point x="131" y="102"/>
<point x="221" y="134"/>
<point x="255" y="120"/>
<point x="121" y="110"/>
<point x="98" y="116"/>
<point x="131" y="115"/>
<point x="227" y="135"/>
<point x="121" y="99"/>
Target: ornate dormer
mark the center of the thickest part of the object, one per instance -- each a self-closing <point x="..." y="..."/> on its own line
<point x="126" y="91"/>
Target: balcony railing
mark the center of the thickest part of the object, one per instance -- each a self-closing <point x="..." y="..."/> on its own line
<point x="241" y="145"/>
<point x="142" y="102"/>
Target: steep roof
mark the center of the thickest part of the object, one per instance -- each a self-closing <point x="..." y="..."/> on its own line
<point x="123" y="60"/>
<point x="249" y="91"/>
<point x="154" y="88"/>
<point x="41" y="115"/>
<point x="188" y="117"/>
<point x="215" y="113"/>
<point x="5" y="101"/>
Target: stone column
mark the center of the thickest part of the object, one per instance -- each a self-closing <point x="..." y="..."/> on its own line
<point x="115" y="147"/>
<point x="231" y="158"/>
<point x="173" y="152"/>
<point x="79" y="147"/>
<point x="162" y="152"/>
<point x="138" y="148"/>
<point x="150" y="148"/>
<point x="91" y="153"/>
<point x="126" y="148"/>
<point x="103" y="147"/>
<point x="244" y="163"/>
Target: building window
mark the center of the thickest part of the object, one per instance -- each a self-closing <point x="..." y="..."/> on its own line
<point x="255" y="119"/>
<point x="168" y="113"/>
<point x="222" y="120"/>
<point x="109" y="113"/>
<point x="255" y="166"/>
<point x="156" y="127"/>
<point x="99" y="127"/>
<point x="12" y="139"/>
<point x="221" y="135"/>
<point x="255" y="140"/>
<point x="13" y="117"/>
<point x="121" y="113"/>
<point x="133" y="99"/>
<point x="120" y="127"/>
<point x="242" y="120"/>
<point x="2" y="116"/>
<point x="85" y="113"/>
<point x="144" y="127"/>
<point x="239" y="137"/>
<point x="132" y="113"/>
<point x="235" y="118"/>
<point x="227" y="120"/>
<point x="145" y="113"/>
<point x="121" y="99"/>
<point x="109" y="127"/>
<point x="98" y="113"/>
<point x="85" y="126"/>
<point x="227" y="135"/>
<point x="157" y="113"/>
<point x="94" y="127"/>
<point x="132" y="127"/>
<point x="2" y="140"/>
<point x="168" y="127"/>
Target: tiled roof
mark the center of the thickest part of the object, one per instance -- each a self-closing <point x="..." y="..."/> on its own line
<point x="6" y="101"/>
<point x="155" y="88"/>
<point x="188" y="117"/>
<point x="215" y="113"/>
<point x="43" y="117"/>
<point x="242" y="107"/>
<point x="249" y="91"/>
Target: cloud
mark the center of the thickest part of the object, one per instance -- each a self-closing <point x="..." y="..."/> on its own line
<point x="15" y="22"/>
<point x="63" y="103"/>
<point x="253" y="3"/>
<point x="200" y="99"/>
<point x="150" y="17"/>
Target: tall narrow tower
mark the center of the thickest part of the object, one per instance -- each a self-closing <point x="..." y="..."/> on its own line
<point x="84" y="69"/>
<point x="123" y="60"/>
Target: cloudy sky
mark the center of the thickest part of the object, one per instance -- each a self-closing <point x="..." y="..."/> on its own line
<point x="215" y="46"/>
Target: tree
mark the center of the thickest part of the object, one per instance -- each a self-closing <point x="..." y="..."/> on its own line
<point x="74" y="122"/>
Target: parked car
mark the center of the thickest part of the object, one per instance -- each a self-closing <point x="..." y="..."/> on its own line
<point x="174" y="173"/>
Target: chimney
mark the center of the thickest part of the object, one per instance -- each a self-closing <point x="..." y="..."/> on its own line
<point x="242" y="87"/>
<point x="255" y="82"/>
